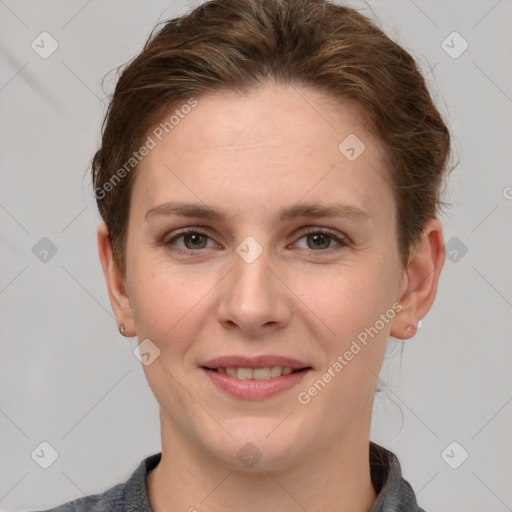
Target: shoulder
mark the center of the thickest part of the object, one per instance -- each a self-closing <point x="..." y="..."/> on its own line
<point x="110" y="500"/>
<point x="129" y="496"/>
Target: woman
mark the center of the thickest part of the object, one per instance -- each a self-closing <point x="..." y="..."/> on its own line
<point x="269" y="179"/>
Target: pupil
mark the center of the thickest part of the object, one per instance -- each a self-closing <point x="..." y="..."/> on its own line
<point x="195" y="238"/>
<point x="318" y="237"/>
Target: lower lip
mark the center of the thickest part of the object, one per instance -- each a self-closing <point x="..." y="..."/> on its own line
<point x="252" y="389"/>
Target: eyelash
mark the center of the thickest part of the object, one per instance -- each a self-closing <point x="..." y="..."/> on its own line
<point x="342" y="241"/>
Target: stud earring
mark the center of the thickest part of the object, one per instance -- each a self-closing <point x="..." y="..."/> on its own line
<point x="411" y="327"/>
<point x="122" y="329"/>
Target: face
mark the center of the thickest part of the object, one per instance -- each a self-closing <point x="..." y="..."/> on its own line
<point x="254" y="283"/>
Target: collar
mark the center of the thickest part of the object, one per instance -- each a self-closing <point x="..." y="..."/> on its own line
<point x="394" y="494"/>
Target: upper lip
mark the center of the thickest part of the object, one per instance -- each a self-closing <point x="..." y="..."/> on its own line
<point x="236" y="361"/>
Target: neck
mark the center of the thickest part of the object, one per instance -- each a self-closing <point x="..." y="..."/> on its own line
<point x="333" y="476"/>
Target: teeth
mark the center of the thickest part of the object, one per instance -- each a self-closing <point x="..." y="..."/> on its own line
<point x="261" y="373"/>
<point x="256" y="373"/>
<point x="244" y="373"/>
<point x="230" y="371"/>
<point x="276" y="371"/>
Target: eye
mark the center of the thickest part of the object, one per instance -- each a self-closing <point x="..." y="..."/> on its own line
<point x="317" y="240"/>
<point x="320" y="239"/>
<point x="193" y="240"/>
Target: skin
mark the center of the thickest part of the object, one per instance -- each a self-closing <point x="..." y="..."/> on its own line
<point x="252" y="155"/>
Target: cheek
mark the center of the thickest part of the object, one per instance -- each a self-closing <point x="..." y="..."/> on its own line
<point x="356" y="312"/>
<point x="168" y="301"/>
<point x="348" y="299"/>
<point x="356" y="309"/>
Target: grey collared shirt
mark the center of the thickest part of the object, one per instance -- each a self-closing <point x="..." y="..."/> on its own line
<point x="394" y="494"/>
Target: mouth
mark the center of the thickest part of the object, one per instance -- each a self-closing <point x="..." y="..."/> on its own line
<point x="254" y="379"/>
<point x="261" y="374"/>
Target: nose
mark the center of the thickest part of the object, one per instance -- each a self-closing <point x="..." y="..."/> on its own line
<point x="254" y="298"/>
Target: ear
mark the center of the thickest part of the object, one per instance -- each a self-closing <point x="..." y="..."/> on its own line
<point x="119" y="299"/>
<point x="421" y="276"/>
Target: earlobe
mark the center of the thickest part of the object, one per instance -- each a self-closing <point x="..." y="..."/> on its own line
<point x="119" y="299"/>
<point x="420" y="280"/>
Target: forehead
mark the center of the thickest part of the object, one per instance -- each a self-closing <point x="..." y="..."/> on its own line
<point x="273" y="146"/>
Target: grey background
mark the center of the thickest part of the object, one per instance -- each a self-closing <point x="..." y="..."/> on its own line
<point x="67" y="376"/>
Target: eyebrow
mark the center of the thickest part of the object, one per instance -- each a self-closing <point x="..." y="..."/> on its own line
<point x="202" y="211"/>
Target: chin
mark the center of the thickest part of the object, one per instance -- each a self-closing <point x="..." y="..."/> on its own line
<point x="257" y="445"/>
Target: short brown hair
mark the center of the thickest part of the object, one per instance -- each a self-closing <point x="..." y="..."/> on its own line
<point x="233" y="45"/>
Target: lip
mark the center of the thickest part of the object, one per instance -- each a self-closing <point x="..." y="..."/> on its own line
<point x="263" y="361"/>
<point x="252" y="389"/>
